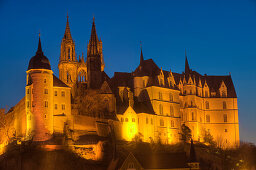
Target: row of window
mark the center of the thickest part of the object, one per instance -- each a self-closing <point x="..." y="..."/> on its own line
<point x="207" y="105"/>
<point x="46" y="92"/>
<point x="161" y="110"/>
<point x="208" y="118"/>
<point x="46" y="105"/>
<point x="160" y="96"/>
<point x="147" y="121"/>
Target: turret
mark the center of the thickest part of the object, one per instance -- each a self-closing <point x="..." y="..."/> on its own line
<point x="39" y="97"/>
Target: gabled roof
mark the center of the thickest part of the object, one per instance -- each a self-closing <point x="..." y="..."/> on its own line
<point x="58" y="83"/>
<point x="147" y="68"/>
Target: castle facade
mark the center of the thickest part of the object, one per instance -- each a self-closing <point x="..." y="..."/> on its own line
<point x="149" y="102"/>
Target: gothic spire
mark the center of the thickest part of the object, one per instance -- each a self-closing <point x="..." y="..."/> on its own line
<point x="93" y="42"/>
<point x="39" y="48"/>
<point x="187" y="69"/>
<point x="67" y="34"/>
<point x="141" y="55"/>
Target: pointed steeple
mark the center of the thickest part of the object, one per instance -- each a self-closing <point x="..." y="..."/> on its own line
<point x="39" y="48"/>
<point x="141" y="54"/>
<point x="67" y="34"/>
<point x="187" y="69"/>
<point x="93" y="42"/>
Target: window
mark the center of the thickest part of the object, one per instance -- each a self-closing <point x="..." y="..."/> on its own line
<point x="160" y="109"/>
<point x="226" y="130"/>
<point x="69" y="53"/>
<point x="190" y="91"/>
<point x="133" y="119"/>
<point x="207" y="105"/>
<point x="225" y="117"/>
<point x="160" y="96"/>
<point x="171" y="97"/>
<point x="206" y="93"/>
<point x="45" y="91"/>
<point x="138" y="120"/>
<point x="27" y="91"/>
<point x="122" y="119"/>
<point x="63" y="94"/>
<point x="224" y="105"/>
<point x="172" y="123"/>
<point x="33" y="105"/>
<point x="55" y="93"/>
<point x="45" y="103"/>
<point x="63" y="106"/>
<point x="126" y="119"/>
<point x="44" y="80"/>
<point x="146" y="120"/>
<point x="171" y="111"/>
<point x="130" y="165"/>
<point x="193" y="116"/>
<point x="28" y="104"/>
<point x="151" y="121"/>
<point x="161" y="122"/>
<point x="208" y="119"/>
<point x="56" y="106"/>
<point x="144" y="84"/>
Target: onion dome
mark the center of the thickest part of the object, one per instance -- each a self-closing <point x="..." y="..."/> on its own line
<point x="39" y="61"/>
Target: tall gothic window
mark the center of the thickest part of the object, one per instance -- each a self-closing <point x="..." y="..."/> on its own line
<point x="69" y="53"/>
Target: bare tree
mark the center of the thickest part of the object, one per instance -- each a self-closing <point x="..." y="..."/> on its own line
<point x="6" y="126"/>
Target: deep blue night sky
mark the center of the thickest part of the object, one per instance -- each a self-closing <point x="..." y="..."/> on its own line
<point x="219" y="35"/>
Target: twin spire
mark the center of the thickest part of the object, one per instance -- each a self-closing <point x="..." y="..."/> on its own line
<point x="67" y="34"/>
<point x="93" y="42"/>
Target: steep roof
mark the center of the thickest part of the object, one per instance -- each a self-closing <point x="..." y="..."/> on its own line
<point x="39" y="61"/>
<point x="58" y="83"/>
<point x="146" y="68"/>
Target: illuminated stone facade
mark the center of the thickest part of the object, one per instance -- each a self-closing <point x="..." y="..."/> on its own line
<point x="149" y="103"/>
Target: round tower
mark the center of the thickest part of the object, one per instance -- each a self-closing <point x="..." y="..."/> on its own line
<point x="39" y="97"/>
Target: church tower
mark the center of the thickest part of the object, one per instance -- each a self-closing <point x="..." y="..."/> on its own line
<point x="68" y="61"/>
<point x="95" y="64"/>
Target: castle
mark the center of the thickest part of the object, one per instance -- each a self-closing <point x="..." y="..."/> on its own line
<point x="149" y="101"/>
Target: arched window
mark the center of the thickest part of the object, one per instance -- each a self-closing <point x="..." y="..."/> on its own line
<point x="146" y="120"/>
<point x="207" y="105"/>
<point x="69" y="53"/>
<point x="193" y="116"/>
<point x="160" y="109"/>
<point x="224" y="105"/>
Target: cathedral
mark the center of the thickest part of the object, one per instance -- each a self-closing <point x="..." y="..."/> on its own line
<point x="149" y="102"/>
